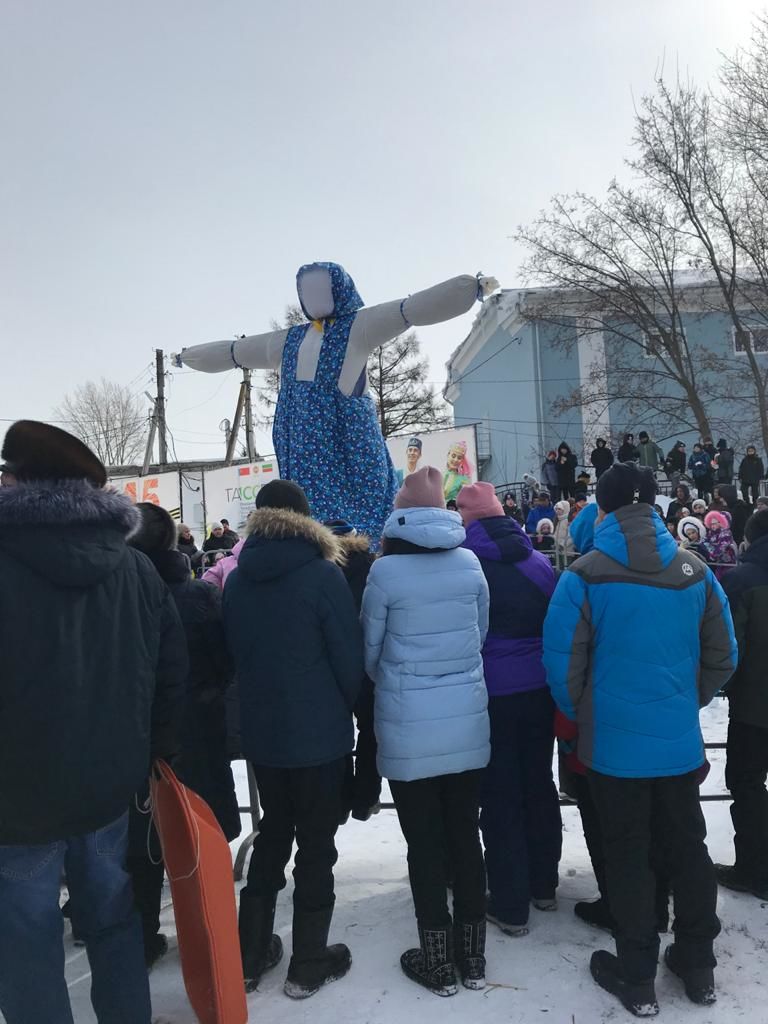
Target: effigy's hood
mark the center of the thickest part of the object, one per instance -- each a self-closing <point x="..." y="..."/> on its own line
<point x="326" y="290"/>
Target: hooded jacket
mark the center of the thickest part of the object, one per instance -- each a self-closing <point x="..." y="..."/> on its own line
<point x="725" y="460"/>
<point x="203" y="764"/>
<point x="751" y="470"/>
<point x="520" y="581"/>
<point x="601" y="458"/>
<point x="738" y="509"/>
<point x="675" y="461"/>
<point x="425" y="618"/>
<point x="94" y="661"/>
<point x="636" y="693"/>
<point x="219" y="573"/>
<point x="628" y="451"/>
<point x="293" y="630"/>
<point x="650" y="455"/>
<point x="583" y="528"/>
<point x="549" y="476"/>
<point x="566" y="471"/>
<point x="563" y="541"/>
<point x="537" y="513"/>
<point x="747" y="590"/>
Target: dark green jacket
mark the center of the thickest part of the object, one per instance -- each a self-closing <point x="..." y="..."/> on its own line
<point x="747" y="590"/>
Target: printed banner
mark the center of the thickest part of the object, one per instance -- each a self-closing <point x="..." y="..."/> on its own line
<point x="231" y="492"/>
<point x="159" y="488"/>
<point x="453" y="451"/>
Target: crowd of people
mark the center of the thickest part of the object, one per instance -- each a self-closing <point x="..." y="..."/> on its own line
<point x="460" y="653"/>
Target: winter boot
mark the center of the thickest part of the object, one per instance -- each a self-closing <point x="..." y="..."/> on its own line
<point x="596" y="913"/>
<point x="314" y="963"/>
<point x="431" y="965"/>
<point x="699" y="982"/>
<point x="155" y="948"/>
<point x="259" y="948"/>
<point x="469" y="949"/>
<point x="545" y="903"/>
<point x="517" y="931"/>
<point x="728" y="877"/>
<point x="637" y="997"/>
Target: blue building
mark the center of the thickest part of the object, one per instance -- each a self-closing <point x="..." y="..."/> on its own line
<point x="523" y="378"/>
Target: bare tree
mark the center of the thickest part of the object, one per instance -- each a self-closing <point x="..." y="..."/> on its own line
<point x="397" y="378"/>
<point x="616" y="266"/>
<point x="689" y="159"/>
<point x="109" y="419"/>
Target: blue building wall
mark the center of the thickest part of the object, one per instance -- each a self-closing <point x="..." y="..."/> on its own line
<point x="516" y="377"/>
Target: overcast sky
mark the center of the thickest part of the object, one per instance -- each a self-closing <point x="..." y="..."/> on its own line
<point x="167" y="165"/>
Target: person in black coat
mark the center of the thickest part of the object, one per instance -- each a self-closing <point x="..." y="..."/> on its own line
<point x="629" y="452"/>
<point x="601" y="457"/>
<point x="219" y="540"/>
<point x="365" y="784"/>
<point x="293" y="629"/>
<point x="566" y="471"/>
<point x="683" y="499"/>
<point x="739" y="510"/>
<point x="186" y="543"/>
<point x="676" y="463"/>
<point x="747" y="759"/>
<point x="93" y="670"/>
<point x="751" y="472"/>
<point x="202" y="762"/>
<point x="725" y="461"/>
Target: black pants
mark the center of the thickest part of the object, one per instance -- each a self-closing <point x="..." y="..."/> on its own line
<point x="567" y="491"/>
<point x="647" y="820"/>
<point x="745" y="775"/>
<point x="366" y="789"/>
<point x="754" y="489"/>
<point x="520" y="818"/>
<point x="440" y="816"/>
<point x="593" y="836"/>
<point x="304" y="804"/>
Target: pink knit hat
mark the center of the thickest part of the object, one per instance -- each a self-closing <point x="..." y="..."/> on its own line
<point x="422" y="489"/>
<point x="478" y="501"/>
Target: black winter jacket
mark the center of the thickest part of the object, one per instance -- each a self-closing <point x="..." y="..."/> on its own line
<point x="738" y="509"/>
<point x="602" y="459"/>
<point x="751" y="470"/>
<point x="293" y="629"/>
<point x="747" y="590"/>
<point x="93" y="662"/>
<point x="203" y="764"/>
<point x="223" y="543"/>
<point x="676" y="461"/>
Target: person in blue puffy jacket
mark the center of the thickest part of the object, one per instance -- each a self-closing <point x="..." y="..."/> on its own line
<point x="425" y="618"/>
<point x="635" y="695"/>
<point x="543" y="509"/>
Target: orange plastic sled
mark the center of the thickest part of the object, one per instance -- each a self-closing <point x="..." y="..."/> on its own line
<point x="199" y="866"/>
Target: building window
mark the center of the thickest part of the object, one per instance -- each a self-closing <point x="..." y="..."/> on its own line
<point x="656" y="343"/>
<point x="758" y="337"/>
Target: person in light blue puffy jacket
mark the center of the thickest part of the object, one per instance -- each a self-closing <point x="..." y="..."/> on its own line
<point x="425" y="618"/>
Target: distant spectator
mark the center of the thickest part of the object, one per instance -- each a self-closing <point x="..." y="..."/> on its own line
<point x="218" y="541"/>
<point x="566" y="470"/>
<point x="739" y="510"/>
<point x="563" y="543"/>
<point x="720" y="542"/>
<point x="691" y="535"/>
<point x="543" y="509"/>
<point x="675" y="463"/>
<point x="511" y="508"/>
<point x="700" y="466"/>
<point x="583" y="481"/>
<point x="699" y="509"/>
<point x="579" y="502"/>
<point x="724" y="462"/>
<point x="187" y="544"/>
<point x="545" y="535"/>
<point x="601" y="457"/>
<point x="628" y="451"/>
<point x="681" y="500"/>
<point x="228" y="532"/>
<point x="751" y="472"/>
<point x="651" y="455"/>
<point x="549" y="477"/>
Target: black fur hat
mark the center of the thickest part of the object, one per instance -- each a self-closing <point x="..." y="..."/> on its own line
<point x="39" y="451"/>
<point x="157" y="532"/>
<point x="618" y="486"/>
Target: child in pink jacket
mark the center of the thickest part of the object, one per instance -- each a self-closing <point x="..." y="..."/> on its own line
<point x="219" y="573"/>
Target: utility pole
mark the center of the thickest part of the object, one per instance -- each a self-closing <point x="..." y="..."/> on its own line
<point x="236" y="425"/>
<point x="250" y="443"/>
<point x="150" y="437"/>
<point x="160" y="408"/>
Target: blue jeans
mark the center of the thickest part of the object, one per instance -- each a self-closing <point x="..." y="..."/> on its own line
<point x="32" y="985"/>
<point x="520" y="810"/>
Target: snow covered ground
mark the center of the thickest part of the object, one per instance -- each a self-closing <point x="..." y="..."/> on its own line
<point x="541" y="978"/>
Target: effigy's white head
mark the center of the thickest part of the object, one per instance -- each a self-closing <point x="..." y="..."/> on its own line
<point x="315" y="289"/>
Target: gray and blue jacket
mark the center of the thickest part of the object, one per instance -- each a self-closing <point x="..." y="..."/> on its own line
<point x="637" y="639"/>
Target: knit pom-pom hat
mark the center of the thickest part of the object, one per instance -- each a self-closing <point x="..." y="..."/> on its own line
<point x="478" y="501"/>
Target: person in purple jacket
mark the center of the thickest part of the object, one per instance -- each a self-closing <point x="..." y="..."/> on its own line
<point x="520" y="810"/>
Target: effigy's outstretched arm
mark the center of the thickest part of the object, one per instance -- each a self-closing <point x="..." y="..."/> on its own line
<point x="375" y="325"/>
<point x="257" y="352"/>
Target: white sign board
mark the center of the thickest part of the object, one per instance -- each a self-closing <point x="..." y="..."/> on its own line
<point x="231" y="492"/>
<point x="453" y="451"/>
<point x="159" y="488"/>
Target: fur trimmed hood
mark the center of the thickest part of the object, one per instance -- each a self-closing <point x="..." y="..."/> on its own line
<point x="70" y="532"/>
<point x="280" y="541"/>
<point x="352" y="545"/>
<point x="66" y="503"/>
